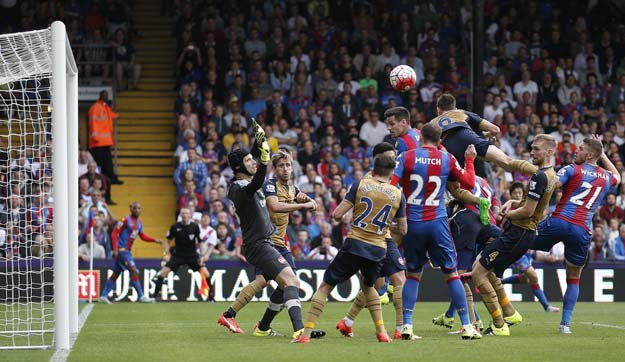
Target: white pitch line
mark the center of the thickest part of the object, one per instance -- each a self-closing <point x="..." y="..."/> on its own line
<point x="603" y="325"/>
<point x="61" y="354"/>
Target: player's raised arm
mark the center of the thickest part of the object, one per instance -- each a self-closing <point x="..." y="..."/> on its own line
<point x="608" y="164"/>
<point x="465" y="176"/>
<point x="262" y="147"/>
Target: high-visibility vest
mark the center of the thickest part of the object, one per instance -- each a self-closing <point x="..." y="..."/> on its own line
<point x="101" y="125"/>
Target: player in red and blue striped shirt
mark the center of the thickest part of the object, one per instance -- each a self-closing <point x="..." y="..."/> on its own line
<point x="585" y="185"/>
<point x="423" y="173"/>
<point x="123" y="236"/>
<point x="398" y="124"/>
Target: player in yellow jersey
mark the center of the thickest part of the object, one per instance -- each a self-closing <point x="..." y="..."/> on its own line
<point x="393" y="267"/>
<point x="376" y="203"/>
<point x="458" y="132"/>
<point x="519" y="232"/>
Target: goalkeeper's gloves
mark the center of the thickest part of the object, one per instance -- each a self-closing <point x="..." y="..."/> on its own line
<point x="261" y="142"/>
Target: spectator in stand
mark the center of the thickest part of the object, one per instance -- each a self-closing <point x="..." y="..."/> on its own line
<point x="494" y="109"/>
<point x="125" y="56"/>
<point x="367" y="80"/>
<point x="301" y="246"/>
<point x="191" y="193"/>
<point x="200" y="173"/>
<point x="97" y="52"/>
<point x="617" y="245"/>
<point x="347" y="79"/>
<point x="373" y="130"/>
<point x="617" y="94"/>
<point x="181" y="154"/>
<point x="255" y="105"/>
<point x="235" y="113"/>
<point x="565" y="90"/>
<point x="610" y="211"/>
<point x="325" y="251"/>
<point x="286" y="136"/>
<point x="328" y="84"/>
<point x="92" y="174"/>
<point x="525" y="85"/>
<point x="354" y="152"/>
<point x="84" y="194"/>
<point x="91" y="248"/>
<point x="280" y="78"/>
<point x="347" y="108"/>
<point x="338" y="158"/>
<point x="84" y="157"/>
<point x="599" y="250"/>
<point x="189" y="116"/>
<point x="101" y="236"/>
<point x="184" y="97"/>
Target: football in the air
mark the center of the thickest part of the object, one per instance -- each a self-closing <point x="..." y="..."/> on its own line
<point x="403" y="78"/>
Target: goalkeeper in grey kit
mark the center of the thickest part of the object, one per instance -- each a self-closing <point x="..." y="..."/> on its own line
<point x="250" y="206"/>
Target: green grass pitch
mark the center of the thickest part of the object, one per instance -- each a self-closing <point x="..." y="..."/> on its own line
<point x="188" y="332"/>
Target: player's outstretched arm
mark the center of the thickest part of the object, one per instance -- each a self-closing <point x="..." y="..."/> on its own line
<point x="608" y="164"/>
<point x="465" y="176"/>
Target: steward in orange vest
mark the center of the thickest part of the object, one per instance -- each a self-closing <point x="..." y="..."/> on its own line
<point x="101" y="118"/>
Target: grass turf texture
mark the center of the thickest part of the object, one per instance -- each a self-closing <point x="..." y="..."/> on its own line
<point x="189" y="332"/>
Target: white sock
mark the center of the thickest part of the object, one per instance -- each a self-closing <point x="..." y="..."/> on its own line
<point x="348" y="322"/>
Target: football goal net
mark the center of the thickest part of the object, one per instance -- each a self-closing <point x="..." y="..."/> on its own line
<point x="38" y="189"/>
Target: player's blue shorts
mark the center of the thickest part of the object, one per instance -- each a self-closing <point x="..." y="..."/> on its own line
<point x="524" y="263"/>
<point x="458" y="139"/>
<point x="124" y="261"/>
<point x="393" y="262"/>
<point x="429" y="238"/>
<point x="286" y="253"/>
<point x="576" y="240"/>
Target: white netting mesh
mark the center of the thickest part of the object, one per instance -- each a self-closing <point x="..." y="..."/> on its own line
<point x="26" y="231"/>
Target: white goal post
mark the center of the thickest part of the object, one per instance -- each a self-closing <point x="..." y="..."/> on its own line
<point x="39" y="129"/>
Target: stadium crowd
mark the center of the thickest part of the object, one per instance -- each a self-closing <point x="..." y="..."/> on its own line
<point x="318" y="80"/>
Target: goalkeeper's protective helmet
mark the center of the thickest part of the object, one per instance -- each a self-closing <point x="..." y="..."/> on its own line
<point x="235" y="159"/>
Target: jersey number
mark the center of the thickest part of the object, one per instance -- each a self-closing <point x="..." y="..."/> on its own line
<point x="431" y="200"/>
<point x="579" y="199"/>
<point x="379" y="220"/>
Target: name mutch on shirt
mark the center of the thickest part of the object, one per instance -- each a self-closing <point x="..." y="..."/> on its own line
<point x="428" y="161"/>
